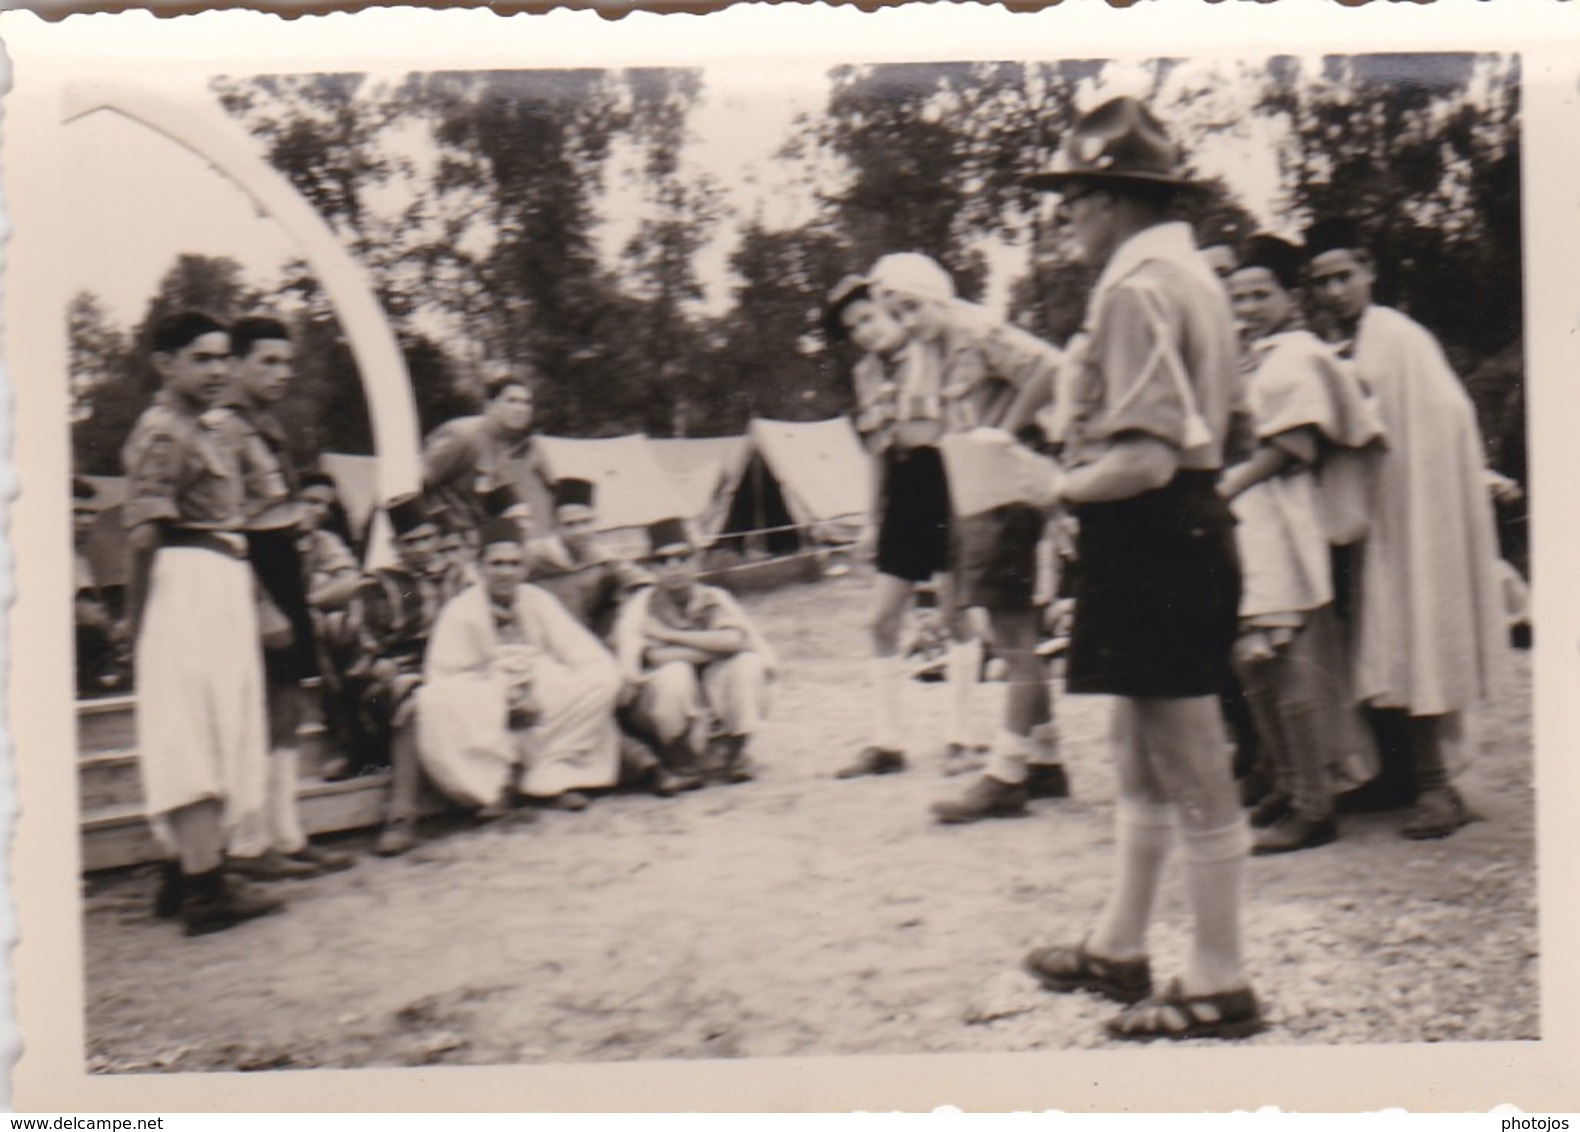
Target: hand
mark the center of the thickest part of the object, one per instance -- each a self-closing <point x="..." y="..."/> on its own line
<point x="1503" y="489"/>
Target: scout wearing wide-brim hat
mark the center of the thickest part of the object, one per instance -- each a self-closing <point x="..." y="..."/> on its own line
<point x="1120" y="143"/>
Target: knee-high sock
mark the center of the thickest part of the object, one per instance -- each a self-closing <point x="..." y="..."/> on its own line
<point x="1215" y="879"/>
<point x="1145" y="834"/>
<point x="1007" y="763"/>
<point x="887" y="673"/>
<point x="964" y="669"/>
<point x="285" y="823"/>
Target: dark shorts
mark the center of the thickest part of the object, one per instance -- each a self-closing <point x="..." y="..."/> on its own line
<point x="1157" y="593"/>
<point x="996" y="557"/>
<point x="277" y="564"/>
<point x="913" y="530"/>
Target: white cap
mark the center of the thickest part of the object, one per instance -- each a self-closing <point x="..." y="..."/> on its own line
<point x="912" y="273"/>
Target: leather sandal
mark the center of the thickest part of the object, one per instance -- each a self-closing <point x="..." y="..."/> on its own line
<point x="1063" y="969"/>
<point x="1178" y="1016"/>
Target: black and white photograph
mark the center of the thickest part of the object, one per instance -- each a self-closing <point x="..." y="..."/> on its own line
<point x="679" y="561"/>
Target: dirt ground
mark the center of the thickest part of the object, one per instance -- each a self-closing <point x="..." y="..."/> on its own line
<point x="801" y="915"/>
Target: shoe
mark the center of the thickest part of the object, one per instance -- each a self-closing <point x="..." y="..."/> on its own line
<point x="1383" y="793"/>
<point x="987" y="797"/>
<point x="398" y="836"/>
<point x="571" y="801"/>
<point x="270" y="866"/>
<point x="874" y="760"/>
<point x="1178" y="1016"/>
<point x="1047" y="780"/>
<point x="1268" y="810"/>
<point x="337" y="769"/>
<point x="964" y="758"/>
<point x="172" y="890"/>
<point x="215" y="902"/>
<point x="1293" y="832"/>
<point x="322" y="859"/>
<point x="735" y="766"/>
<point x="1438" y="813"/>
<point x="1066" y="969"/>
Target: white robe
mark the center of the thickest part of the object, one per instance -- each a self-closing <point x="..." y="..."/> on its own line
<point x="1429" y="631"/>
<point x="1285" y="529"/>
<point x="465" y="744"/>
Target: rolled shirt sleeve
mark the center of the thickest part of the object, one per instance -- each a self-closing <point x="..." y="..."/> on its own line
<point x="154" y="460"/>
<point x="1144" y="377"/>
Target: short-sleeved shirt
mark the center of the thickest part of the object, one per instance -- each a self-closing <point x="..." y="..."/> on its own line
<point x="268" y="479"/>
<point x="1160" y="359"/>
<point x="464" y="457"/>
<point x="395" y="610"/>
<point x="986" y="362"/>
<point x="182" y="468"/>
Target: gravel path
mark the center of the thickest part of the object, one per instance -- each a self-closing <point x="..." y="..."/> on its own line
<point x="801" y="915"/>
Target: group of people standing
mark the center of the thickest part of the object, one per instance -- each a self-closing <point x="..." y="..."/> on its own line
<point x="1254" y="513"/>
<point x="445" y="665"/>
<point x="1297" y="513"/>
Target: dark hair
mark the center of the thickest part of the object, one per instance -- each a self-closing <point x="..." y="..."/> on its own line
<point x="1283" y="259"/>
<point x="1155" y="195"/>
<point x="497" y="384"/>
<point x="247" y="332"/>
<point x="178" y="331"/>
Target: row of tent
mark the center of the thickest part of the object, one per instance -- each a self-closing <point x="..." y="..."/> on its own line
<point x="783" y="487"/>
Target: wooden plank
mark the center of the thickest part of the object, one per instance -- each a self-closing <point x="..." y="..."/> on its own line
<point x="116" y="836"/>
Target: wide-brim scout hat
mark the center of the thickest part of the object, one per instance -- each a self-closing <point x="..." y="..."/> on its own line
<point x="667" y="536"/>
<point x="1118" y="143"/>
<point x="851" y="289"/>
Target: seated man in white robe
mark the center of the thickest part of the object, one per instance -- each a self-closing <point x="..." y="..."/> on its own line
<point x="699" y="666"/>
<point x="518" y="698"/>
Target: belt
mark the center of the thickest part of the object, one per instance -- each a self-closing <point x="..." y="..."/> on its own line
<point x="228" y="543"/>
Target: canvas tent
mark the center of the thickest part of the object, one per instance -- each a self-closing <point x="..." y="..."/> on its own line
<point x="633" y="489"/>
<point x="705" y="471"/>
<point x="800" y="482"/>
<point x="823" y="471"/>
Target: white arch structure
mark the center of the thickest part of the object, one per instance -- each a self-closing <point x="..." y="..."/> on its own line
<point x="198" y="125"/>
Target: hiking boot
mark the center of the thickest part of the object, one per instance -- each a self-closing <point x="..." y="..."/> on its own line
<point x="1294" y="832"/>
<point x="398" y="836"/>
<point x="215" y="902"/>
<point x="987" y="797"/>
<point x="734" y="767"/>
<point x="1268" y="811"/>
<point x="172" y="890"/>
<point x="874" y="760"/>
<point x="571" y="801"/>
<point x="270" y="866"/>
<point x="324" y="860"/>
<point x="1437" y="813"/>
<point x="1047" y="780"/>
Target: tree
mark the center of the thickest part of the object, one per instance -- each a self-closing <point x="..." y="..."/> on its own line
<point x="1424" y="151"/>
<point x="97" y="351"/>
<point x="216" y="285"/>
